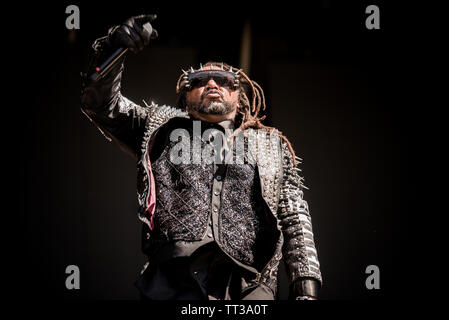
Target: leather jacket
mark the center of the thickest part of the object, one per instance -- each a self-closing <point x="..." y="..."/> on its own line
<point x="133" y="127"/>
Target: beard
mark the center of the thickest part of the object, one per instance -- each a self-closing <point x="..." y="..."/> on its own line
<point x="213" y="107"/>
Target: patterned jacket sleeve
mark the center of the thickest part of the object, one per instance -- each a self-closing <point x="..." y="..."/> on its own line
<point x="118" y="119"/>
<point x="299" y="250"/>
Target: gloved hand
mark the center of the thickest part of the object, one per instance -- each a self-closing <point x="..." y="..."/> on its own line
<point x="304" y="289"/>
<point x="132" y="34"/>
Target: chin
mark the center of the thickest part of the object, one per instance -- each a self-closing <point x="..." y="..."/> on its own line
<point x="219" y="108"/>
<point x="213" y="107"/>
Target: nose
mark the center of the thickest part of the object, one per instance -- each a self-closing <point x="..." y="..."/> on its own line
<point x="211" y="84"/>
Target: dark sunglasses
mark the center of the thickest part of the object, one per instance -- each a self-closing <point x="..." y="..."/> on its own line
<point x="222" y="78"/>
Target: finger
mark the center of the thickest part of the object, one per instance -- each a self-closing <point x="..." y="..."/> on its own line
<point x="144" y="32"/>
<point x="144" y="18"/>
<point x="129" y="29"/>
<point x="125" y="40"/>
<point x="130" y="38"/>
<point x="154" y="34"/>
<point x="138" y="41"/>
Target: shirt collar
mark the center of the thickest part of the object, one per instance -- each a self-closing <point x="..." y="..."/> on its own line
<point x="227" y="124"/>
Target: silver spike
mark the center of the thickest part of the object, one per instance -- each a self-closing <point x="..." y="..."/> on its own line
<point x="230" y="69"/>
<point x="201" y="66"/>
<point x="222" y="67"/>
<point x="238" y="71"/>
<point x="211" y="66"/>
<point x="191" y="70"/>
<point x="185" y="72"/>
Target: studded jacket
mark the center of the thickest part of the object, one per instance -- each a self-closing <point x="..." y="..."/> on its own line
<point x="133" y="128"/>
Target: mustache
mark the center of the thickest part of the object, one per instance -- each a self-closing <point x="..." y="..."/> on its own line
<point x="203" y="95"/>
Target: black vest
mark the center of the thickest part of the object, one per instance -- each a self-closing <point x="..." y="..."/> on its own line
<point x="184" y="192"/>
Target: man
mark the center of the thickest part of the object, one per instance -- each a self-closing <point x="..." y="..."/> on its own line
<point x="219" y="193"/>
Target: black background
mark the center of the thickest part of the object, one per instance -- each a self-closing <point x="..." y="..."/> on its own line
<point x="331" y="86"/>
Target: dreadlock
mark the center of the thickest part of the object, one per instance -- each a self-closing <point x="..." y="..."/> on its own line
<point x="248" y="113"/>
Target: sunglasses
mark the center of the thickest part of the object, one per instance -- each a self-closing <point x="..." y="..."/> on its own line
<point x="221" y="78"/>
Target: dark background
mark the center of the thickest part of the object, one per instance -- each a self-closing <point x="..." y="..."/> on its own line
<point x="330" y="85"/>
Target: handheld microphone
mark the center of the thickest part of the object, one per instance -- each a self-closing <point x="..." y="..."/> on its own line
<point x="110" y="62"/>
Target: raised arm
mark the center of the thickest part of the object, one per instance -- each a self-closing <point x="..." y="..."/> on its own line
<point x="119" y="119"/>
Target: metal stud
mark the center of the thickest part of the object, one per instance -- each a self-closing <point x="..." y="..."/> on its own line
<point x="185" y="72"/>
<point x="191" y="70"/>
<point x="201" y="66"/>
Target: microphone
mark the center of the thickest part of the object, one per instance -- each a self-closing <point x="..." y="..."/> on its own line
<point x="110" y="62"/>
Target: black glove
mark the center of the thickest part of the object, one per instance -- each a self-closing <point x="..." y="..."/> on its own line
<point x="133" y="34"/>
<point x="304" y="289"/>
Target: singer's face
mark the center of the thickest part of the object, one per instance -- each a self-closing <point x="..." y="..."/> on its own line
<point x="213" y="96"/>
